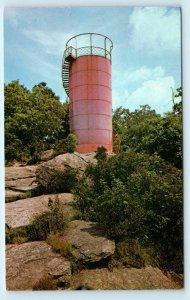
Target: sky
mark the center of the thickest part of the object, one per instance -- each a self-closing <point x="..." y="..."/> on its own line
<point x="146" y="56"/>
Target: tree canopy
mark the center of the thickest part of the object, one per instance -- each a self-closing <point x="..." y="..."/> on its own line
<point x="145" y="130"/>
<point x="33" y="119"/>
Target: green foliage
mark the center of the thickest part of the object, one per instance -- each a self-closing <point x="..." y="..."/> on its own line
<point x="71" y="143"/>
<point x="101" y="153"/>
<point x="45" y="284"/>
<point x="62" y="181"/>
<point x="67" y="145"/>
<point x="15" y="235"/>
<point x="51" y="221"/>
<point x="136" y="196"/>
<point x="177" y="108"/>
<point x="131" y="254"/>
<point x="33" y="120"/>
<point x="144" y="130"/>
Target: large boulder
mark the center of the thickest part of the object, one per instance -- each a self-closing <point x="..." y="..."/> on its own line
<point x="89" y="244"/>
<point x="148" y="278"/>
<point x="21" y="212"/>
<point x="58" y="166"/>
<point x="28" y="263"/>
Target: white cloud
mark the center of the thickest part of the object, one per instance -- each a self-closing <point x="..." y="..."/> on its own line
<point x="143" y="86"/>
<point x="142" y="74"/>
<point x="155" y="29"/>
<point x="52" y="42"/>
<point x="119" y="97"/>
<point x="156" y="93"/>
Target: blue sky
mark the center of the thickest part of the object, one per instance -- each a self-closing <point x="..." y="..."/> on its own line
<point x="146" y="58"/>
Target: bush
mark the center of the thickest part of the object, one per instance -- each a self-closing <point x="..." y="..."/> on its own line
<point x="136" y="196"/>
<point x="62" y="181"/>
<point x="15" y="235"/>
<point x="131" y="254"/>
<point x="71" y="143"/>
<point x="66" y="145"/>
<point x="101" y="153"/>
<point x="50" y="221"/>
<point x="59" y="245"/>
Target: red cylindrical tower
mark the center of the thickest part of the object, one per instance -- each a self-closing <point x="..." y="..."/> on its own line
<point x="87" y="81"/>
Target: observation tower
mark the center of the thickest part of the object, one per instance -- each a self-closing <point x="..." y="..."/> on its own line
<point x="86" y="75"/>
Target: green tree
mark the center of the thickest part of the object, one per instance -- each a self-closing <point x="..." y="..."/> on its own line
<point x="33" y="120"/>
<point x="177" y="108"/>
<point x="145" y="131"/>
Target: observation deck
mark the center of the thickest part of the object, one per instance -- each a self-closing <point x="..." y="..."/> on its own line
<point x="84" y="44"/>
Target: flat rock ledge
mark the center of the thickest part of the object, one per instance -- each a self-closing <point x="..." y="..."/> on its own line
<point x="27" y="263"/>
<point x="20" y="213"/>
<point x="148" y="278"/>
<point x="14" y="173"/>
<point x="19" y="179"/>
<point x="11" y="196"/>
<point x="89" y="244"/>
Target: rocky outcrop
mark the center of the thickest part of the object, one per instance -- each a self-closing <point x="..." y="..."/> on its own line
<point x="123" y="279"/>
<point x="19" y="181"/>
<point x="13" y="195"/>
<point x="14" y="173"/>
<point x="27" y="263"/>
<point x="89" y="244"/>
<point x="21" y="212"/>
<point x="46" y="172"/>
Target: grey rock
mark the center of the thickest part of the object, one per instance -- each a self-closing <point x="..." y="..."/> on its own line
<point x="60" y="269"/>
<point x="46" y="171"/>
<point x="21" y="212"/>
<point x="89" y="244"/>
<point x="27" y="263"/>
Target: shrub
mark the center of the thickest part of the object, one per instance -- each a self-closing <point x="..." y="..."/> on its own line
<point x="131" y="254"/>
<point x="101" y="153"/>
<point x="15" y="235"/>
<point x="50" y="221"/>
<point x="62" y="181"/>
<point x="136" y="196"/>
<point x="65" y="145"/>
<point x="60" y="245"/>
<point x="71" y="143"/>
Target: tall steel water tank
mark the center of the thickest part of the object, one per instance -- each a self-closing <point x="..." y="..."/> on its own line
<point x="86" y="74"/>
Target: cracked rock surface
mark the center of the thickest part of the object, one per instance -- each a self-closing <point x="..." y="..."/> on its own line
<point x="27" y="263"/>
<point x="21" y="212"/>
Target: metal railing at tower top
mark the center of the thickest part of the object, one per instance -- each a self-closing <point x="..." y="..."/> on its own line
<point x="89" y="44"/>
